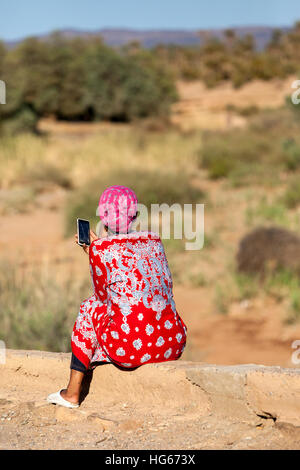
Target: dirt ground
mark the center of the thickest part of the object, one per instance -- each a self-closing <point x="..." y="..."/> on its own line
<point x="208" y="108"/>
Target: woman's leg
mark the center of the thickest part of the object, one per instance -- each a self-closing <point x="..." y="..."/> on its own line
<point x="87" y="329"/>
<point x="72" y="392"/>
<point x="78" y="371"/>
<point x="79" y="383"/>
<point x="85" y="346"/>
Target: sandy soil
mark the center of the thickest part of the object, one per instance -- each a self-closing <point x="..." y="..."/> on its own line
<point x="207" y="108"/>
<point x="152" y="408"/>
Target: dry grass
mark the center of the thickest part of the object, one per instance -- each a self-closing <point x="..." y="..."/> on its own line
<point x="37" y="308"/>
<point x="208" y="108"/>
<point x="31" y="159"/>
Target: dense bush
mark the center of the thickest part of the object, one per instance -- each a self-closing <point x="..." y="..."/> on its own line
<point x="234" y="58"/>
<point x="24" y="120"/>
<point x="81" y="80"/>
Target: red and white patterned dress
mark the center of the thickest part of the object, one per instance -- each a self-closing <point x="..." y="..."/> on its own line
<point x="131" y="318"/>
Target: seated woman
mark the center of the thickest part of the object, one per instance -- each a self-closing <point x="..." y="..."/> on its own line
<point x="131" y="318"/>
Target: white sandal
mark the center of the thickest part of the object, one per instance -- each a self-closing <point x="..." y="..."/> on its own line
<point x="57" y="399"/>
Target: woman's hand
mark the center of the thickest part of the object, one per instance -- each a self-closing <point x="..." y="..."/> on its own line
<point x="85" y="247"/>
<point x="93" y="236"/>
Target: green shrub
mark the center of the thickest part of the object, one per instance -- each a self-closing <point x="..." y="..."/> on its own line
<point x="265" y="211"/>
<point x="294" y="108"/>
<point x="222" y="299"/>
<point x="82" y="80"/>
<point x="36" y="310"/>
<point x="293" y="315"/>
<point x="253" y="173"/>
<point x="291" y="198"/>
<point x="23" y="121"/>
<point x="223" y="153"/>
<point x="282" y="284"/>
<point x="285" y="284"/>
<point x="291" y="154"/>
<point x="218" y="162"/>
<point x="247" y="285"/>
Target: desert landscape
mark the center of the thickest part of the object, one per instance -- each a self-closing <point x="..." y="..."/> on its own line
<point x="235" y="149"/>
<point x="219" y="309"/>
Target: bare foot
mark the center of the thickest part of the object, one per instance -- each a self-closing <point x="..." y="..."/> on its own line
<point x="71" y="398"/>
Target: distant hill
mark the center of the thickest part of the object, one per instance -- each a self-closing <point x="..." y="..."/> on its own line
<point x="151" y="38"/>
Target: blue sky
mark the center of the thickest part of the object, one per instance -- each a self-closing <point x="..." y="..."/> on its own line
<point x="19" y="18"/>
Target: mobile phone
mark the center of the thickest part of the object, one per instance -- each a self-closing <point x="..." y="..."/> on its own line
<point x="83" y="232"/>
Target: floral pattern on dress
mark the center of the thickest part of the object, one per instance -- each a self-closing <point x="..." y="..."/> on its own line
<point x="131" y="317"/>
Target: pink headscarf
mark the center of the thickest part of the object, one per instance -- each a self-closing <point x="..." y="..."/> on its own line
<point x="118" y="208"/>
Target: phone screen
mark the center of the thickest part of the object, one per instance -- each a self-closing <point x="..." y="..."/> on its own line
<point x="83" y="232"/>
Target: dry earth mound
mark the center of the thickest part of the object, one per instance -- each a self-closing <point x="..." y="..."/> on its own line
<point x="269" y="249"/>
